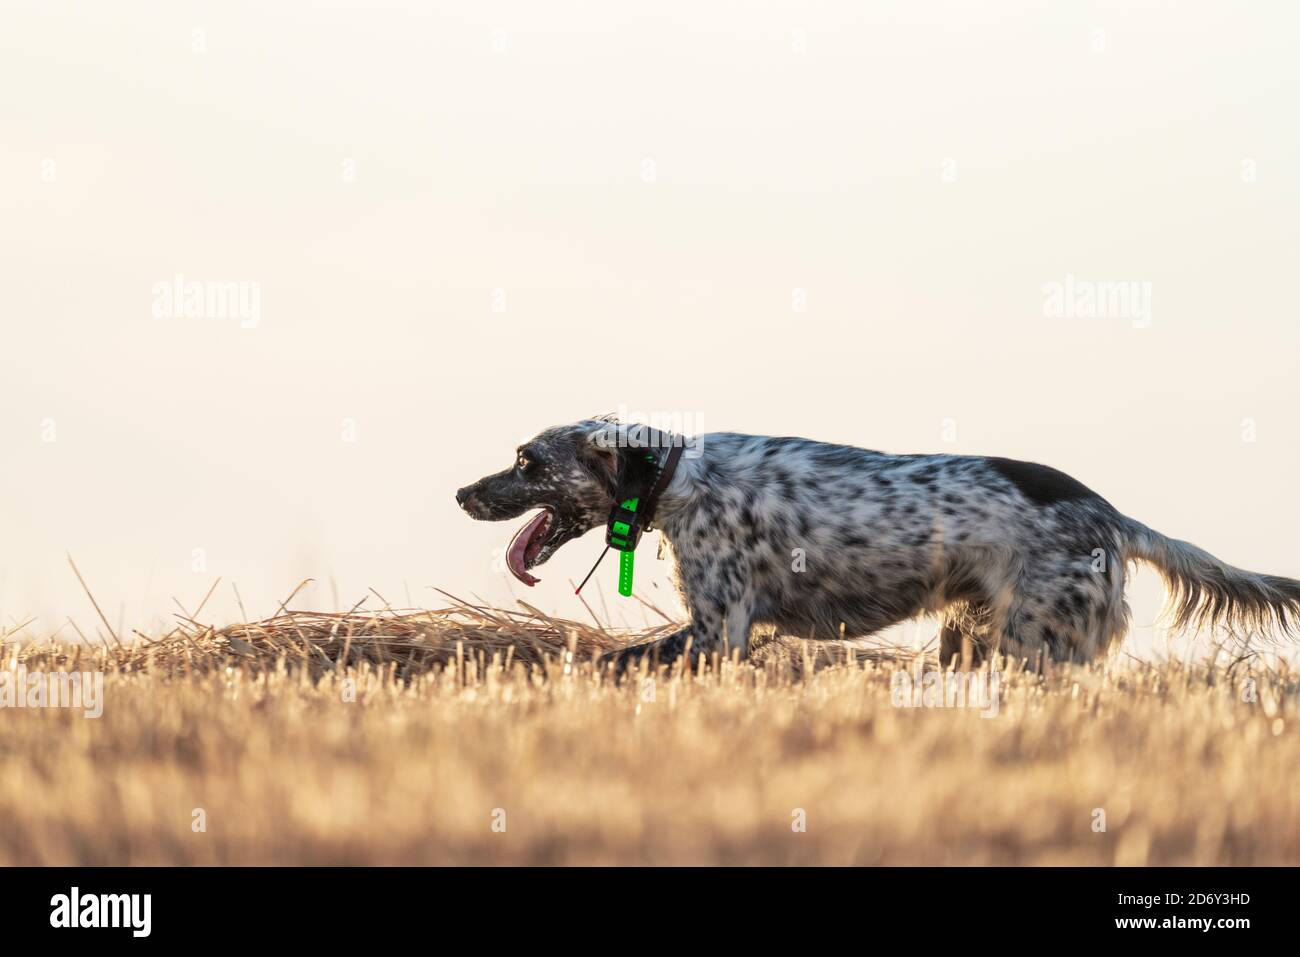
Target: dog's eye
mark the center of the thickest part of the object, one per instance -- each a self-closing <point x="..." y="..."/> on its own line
<point x="523" y="462"/>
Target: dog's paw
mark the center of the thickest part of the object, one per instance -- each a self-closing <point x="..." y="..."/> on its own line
<point x="618" y="662"/>
<point x="654" y="653"/>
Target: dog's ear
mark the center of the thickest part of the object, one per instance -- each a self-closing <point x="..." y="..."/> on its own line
<point x="602" y="446"/>
<point x="620" y="455"/>
<point x="611" y="417"/>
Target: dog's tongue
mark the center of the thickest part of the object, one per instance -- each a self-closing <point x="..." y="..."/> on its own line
<point x="519" y="547"/>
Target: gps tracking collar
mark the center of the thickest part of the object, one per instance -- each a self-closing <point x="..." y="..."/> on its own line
<point x="632" y="515"/>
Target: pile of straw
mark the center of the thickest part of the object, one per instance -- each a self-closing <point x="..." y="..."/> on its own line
<point x="405" y="641"/>
<point x="409" y="640"/>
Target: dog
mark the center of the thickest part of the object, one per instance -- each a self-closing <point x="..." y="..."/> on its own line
<point x="831" y="541"/>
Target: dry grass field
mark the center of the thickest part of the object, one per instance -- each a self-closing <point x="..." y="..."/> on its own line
<point x="474" y="736"/>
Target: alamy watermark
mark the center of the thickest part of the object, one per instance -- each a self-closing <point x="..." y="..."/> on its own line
<point x="634" y="429"/>
<point x="1098" y="299"/>
<point x="977" y="690"/>
<point x="179" y="298"/>
<point x="130" y="911"/>
<point x="53" y="689"/>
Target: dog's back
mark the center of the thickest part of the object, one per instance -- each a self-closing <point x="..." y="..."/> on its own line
<point x="827" y="541"/>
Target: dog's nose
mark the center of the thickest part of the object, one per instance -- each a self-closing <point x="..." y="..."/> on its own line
<point x="462" y="495"/>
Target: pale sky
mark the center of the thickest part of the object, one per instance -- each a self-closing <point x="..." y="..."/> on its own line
<point x="465" y="223"/>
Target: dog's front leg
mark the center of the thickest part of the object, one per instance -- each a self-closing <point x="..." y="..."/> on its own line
<point x="707" y="633"/>
<point x="663" y="651"/>
<point x="719" y="623"/>
<point x="703" y="636"/>
<point x="720" y="597"/>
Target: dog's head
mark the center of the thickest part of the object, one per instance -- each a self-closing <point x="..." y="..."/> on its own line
<point x="571" y="473"/>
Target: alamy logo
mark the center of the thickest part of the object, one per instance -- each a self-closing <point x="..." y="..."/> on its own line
<point x="102" y="910"/>
<point x="1089" y="299"/>
<point x="977" y="690"/>
<point x="53" y="689"/>
<point x="652" y="430"/>
<point x="193" y="299"/>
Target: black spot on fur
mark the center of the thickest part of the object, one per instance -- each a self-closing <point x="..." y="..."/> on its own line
<point x="1052" y="639"/>
<point x="1041" y="484"/>
<point x="839" y="456"/>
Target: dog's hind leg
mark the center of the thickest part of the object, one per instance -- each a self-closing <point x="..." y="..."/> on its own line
<point x="1068" y="611"/>
<point x="963" y="636"/>
<point x="956" y="648"/>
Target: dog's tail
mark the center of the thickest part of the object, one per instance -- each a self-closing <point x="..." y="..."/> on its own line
<point x="1204" y="591"/>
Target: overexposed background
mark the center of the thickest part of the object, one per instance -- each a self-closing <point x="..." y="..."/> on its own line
<point x="469" y="222"/>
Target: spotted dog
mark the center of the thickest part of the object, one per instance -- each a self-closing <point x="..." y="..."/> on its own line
<point x="828" y="541"/>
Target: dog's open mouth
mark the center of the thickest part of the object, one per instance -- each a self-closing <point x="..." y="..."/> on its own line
<point x="527" y="545"/>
